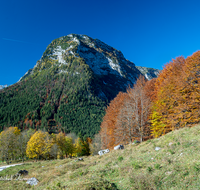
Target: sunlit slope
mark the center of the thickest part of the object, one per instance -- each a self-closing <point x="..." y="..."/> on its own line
<point x="175" y="166"/>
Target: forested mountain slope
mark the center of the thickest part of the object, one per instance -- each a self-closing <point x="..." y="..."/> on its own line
<point x="68" y="88"/>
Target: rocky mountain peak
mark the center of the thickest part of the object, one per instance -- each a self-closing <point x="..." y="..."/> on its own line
<point x="100" y="57"/>
<point x="103" y="60"/>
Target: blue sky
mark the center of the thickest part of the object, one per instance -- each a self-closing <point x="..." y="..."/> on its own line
<point x="149" y="33"/>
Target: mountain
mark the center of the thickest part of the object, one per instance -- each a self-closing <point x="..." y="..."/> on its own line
<point x="105" y="63"/>
<point x="69" y="87"/>
<point x="149" y="73"/>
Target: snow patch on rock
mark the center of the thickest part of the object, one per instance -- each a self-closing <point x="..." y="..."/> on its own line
<point x="59" y="53"/>
<point x="147" y="77"/>
<point x="115" y="66"/>
<point x="98" y="62"/>
<point x="76" y="40"/>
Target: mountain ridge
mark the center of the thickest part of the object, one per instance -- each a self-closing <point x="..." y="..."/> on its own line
<point x="89" y="49"/>
<point x="69" y="87"/>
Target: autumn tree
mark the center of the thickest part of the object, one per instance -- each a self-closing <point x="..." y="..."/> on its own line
<point x="190" y="91"/>
<point x="8" y="145"/>
<point x="22" y="141"/>
<point x="65" y="144"/>
<point x="167" y="87"/>
<point x="127" y="116"/>
<point x="108" y="126"/>
<point x="95" y="145"/>
<point x="39" y="145"/>
<point x="47" y="147"/>
<point x="134" y="115"/>
<point x="177" y="102"/>
<point x="124" y="125"/>
<point x="82" y="147"/>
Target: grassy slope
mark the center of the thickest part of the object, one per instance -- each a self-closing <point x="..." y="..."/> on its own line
<point x="136" y="167"/>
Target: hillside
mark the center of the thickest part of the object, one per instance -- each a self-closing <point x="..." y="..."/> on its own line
<point x="69" y="87"/>
<point x="175" y="166"/>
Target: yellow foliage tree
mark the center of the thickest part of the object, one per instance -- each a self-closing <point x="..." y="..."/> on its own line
<point x="8" y="145"/>
<point x="65" y="144"/>
<point x="82" y="148"/>
<point x="70" y="146"/>
<point x="39" y="145"/>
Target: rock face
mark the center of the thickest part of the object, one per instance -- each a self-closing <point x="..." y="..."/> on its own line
<point x="149" y="73"/>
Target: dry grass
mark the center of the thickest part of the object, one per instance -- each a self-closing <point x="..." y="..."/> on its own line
<point x="175" y="166"/>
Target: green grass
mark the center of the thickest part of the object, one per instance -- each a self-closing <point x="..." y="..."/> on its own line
<point x="174" y="166"/>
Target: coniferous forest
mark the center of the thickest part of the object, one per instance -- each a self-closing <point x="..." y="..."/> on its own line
<point x="54" y="102"/>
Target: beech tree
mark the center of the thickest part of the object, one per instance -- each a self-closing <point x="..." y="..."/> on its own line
<point x="39" y="145"/>
<point x="22" y="141"/>
<point x="133" y="118"/>
<point x="108" y="126"/>
<point x="124" y="126"/>
<point x="127" y="116"/>
<point x="65" y="144"/>
<point x="82" y="147"/>
<point x="168" y="85"/>
<point x="177" y="101"/>
<point x="8" y="145"/>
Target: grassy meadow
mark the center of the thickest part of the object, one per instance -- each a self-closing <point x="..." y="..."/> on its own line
<point x="175" y="166"/>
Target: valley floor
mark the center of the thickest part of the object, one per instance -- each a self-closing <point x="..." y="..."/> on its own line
<point x="175" y="165"/>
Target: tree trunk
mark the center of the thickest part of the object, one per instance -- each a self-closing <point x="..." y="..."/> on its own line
<point x="141" y="138"/>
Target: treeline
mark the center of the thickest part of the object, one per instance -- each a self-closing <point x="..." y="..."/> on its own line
<point x="156" y="107"/>
<point x="30" y="144"/>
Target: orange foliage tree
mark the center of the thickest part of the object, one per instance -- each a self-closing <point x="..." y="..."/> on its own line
<point x="108" y="126"/>
<point x="127" y="116"/>
<point x="177" y="101"/>
<point x="167" y="86"/>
